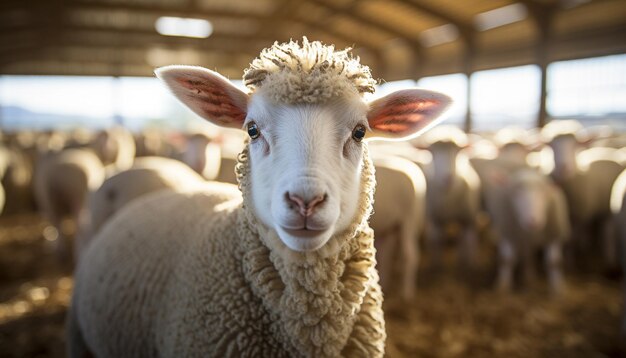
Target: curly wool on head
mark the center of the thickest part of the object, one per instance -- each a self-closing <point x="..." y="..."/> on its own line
<point x="308" y="73"/>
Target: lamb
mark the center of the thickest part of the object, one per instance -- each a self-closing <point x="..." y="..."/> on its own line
<point x="147" y="175"/>
<point x="61" y="183"/>
<point x="618" y="207"/>
<point x="2" y="198"/>
<point x="453" y="192"/>
<point x="64" y="177"/>
<point x="284" y="268"/>
<point x="586" y="178"/>
<point x="149" y="143"/>
<point x="116" y="148"/>
<point x="17" y="181"/>
<point x="4" y="163"/>
<point x="398" y="220"/>
<point x="203" y="156"/>
<point x="508" y="152"/>
<point x="532" y="214"/>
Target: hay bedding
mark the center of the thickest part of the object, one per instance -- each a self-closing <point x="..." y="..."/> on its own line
<point x="446" y="320"/>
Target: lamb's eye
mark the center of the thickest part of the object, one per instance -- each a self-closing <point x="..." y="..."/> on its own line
<point x="358" y="133"/>
<point x="253" y="130"/>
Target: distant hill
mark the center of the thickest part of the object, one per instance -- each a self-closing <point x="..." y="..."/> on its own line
<point x="13" y="117"/>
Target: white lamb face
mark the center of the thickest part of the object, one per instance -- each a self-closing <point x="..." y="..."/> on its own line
<point x="306" y="167"/>
<point x="305" y="159"/>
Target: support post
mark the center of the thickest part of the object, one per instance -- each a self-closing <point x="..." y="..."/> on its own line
<point x="543" y="14"/>
<point x="543" y="22"/>
<point x="468" y="65"/>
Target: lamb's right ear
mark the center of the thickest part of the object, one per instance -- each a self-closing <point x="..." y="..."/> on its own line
<point x="405" y="114"/>
<point x="207" y="93"/>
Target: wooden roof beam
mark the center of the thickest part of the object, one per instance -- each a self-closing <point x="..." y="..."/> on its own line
<point x="466" y="28"/>
<point x="414" y="45"/>
<point x="366" y="21"/>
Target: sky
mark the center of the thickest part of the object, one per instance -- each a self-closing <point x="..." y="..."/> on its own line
<point x="581" y="87"/>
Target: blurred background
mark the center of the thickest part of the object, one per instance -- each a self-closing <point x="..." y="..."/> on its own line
<point x="73" y="72"/>
<point x="90" y="62"/>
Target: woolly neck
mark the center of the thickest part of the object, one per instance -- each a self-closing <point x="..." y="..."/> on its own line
<point x="312" y="297"/>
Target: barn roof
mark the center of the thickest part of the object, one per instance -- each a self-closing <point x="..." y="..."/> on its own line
<point x="397" y="38"/>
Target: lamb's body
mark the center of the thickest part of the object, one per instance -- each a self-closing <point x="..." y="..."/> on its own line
<point x="588" y="190"/>
<point x="621" y="218"/>
<point x="588" y="193"/>
<point x="586" y="178"/>
<point x="459" y="202"/>
<point x="17" y="180"/>
<point x="115" y="148"/>
<point x="148" y="174"/>
<point x="398" y="220"/>
<point x="455" y="202"/>
<point x="212" y="292"/>
<point x="183" y="272"/>
<point x="4" y="164"/>
<point x="618" y="207"/>
<point x="2" y="198"/>
<point x="62" y="183"/>
<point x="493" y="172"/>
<point x="519" y="240"/>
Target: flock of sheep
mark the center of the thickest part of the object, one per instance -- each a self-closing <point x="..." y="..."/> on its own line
<point x="130" y="210"/>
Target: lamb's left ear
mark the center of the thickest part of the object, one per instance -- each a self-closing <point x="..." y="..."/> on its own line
<point x="405" y="114"/>
<point x="207" y="93"/>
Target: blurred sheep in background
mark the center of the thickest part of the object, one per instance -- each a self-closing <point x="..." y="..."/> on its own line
<point x="586" y="177"/>
<point x="452" y="195"/>
<point x="203" y="155"/>
<point x="398" y="222"/>
<point x="64" y="177"/>
<point x="618" y="207"/>
<point x="147" y="175"/>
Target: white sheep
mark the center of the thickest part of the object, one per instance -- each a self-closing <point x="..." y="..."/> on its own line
<point x="147" y="175"/>
<point x="2" y="198"/>
<point x="61" y="184"/>
<point x="496" y="159"/>
<point x="64" y="177"/>
<point x="115" y="147"/>
<point x="398" y="220"/>
<point x="586" y="178"/>
<point x="452" y="192"/>
<point x="532" y="214"/>
<point x="203" y="156"/>
<point x="17" y="181"/>
<point x="149" y="143"/>
<point x="618" y="207"/>
<point x="4" y="164"/>
<point x="284" y="269"/>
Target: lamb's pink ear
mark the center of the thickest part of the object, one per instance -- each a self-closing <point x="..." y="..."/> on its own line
<point x="405" y="114"/>
<point x="207" y="93"/>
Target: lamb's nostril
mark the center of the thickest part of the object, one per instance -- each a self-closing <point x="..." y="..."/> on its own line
<point x="304" y="208"/>
<point x="316" y="201"/>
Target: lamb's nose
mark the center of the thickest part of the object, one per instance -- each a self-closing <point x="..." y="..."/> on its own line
<point x="305" y="208"/>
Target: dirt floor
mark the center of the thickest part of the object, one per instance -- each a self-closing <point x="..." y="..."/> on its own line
<point x="449" y="318"/>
